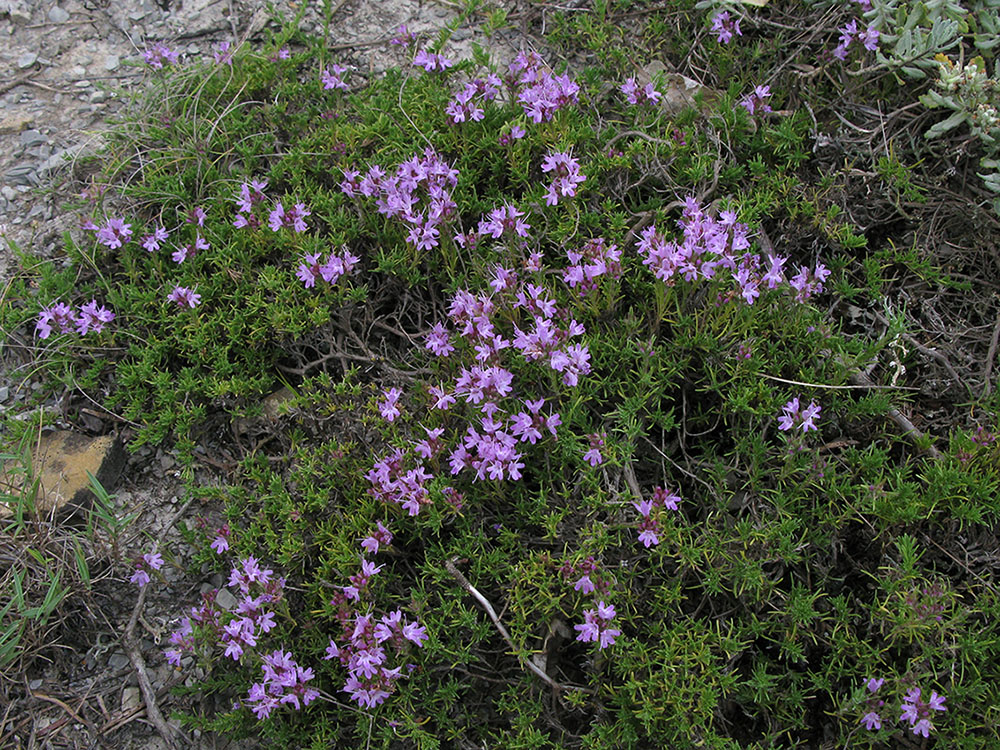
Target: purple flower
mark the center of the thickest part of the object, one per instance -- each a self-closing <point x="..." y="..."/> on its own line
<point x="507" y="218"/>
<point x="93" y="318"/>
<point x="795" y="416"/>
<point x="59" y="313"/>
<point x="197" y="216"/>
<point x="872" y="721"/>
<point x="432" y="62"/>
<point x="332" y="77"/>
<point x="151" y="242"/>
<point x="223" y="55"/>
<point x="140" y="577"/>
<point x="182" y="296"/>
<point x="593" y="456"/>
<point x="725" y="27"/>
<point x="639" y="96"/>
<point x="438" y="342"/>
<point x="567" y="176"/>
<point x="114" y="233"/>
<point x="415" y="633"/>
<point x="595" y="627"/>
<point x="159" y="54"/>
<point x="756" y="101"/>
<point x="388" y="406"/>
<point x="293" y="217"/>
<point x="404" y="37"/>
<point x="918" y="713"/>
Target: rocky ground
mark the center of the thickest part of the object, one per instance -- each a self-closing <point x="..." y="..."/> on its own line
<point x="63" y="70"/>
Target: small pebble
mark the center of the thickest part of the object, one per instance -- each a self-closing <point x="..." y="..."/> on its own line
<point x="111" y="62"/>
<point x="82" y="84"/>
<point x="26" y="60"/>
<point x="58" y="15"/>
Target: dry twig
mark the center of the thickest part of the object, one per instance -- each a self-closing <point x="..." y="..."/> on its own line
<point x="485" y="604"/>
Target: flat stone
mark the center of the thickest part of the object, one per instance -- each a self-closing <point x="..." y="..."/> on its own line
<point x="111" y="62"/>
<point x="27" y="60"/>
<point x="32" y="138"/>
<point x="131" y="699"/>
<point x="82" y="84"/>
<point x="60" y="462"/>
<point x="225" y="599"/>
<point x="15" y="123"/>
<point x="60" y="159"/>
<point x="4" y="390"/>
<point x="17" y="10"/>
<point x="78" y="71"/>
<point x="137" y="15"/>
<point x="58" y="15"/>
<point x="118" y="660"/>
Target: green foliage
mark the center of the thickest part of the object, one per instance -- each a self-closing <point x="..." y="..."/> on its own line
<point x="797" y="565"/>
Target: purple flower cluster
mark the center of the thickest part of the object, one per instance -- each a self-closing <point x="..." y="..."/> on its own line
<point x="588" y="579"/>
<point x="793" y="415"/>
<point x="159" y="55"/>
<point x="184" y="252"/>
<point x="566" y="176"/>
<point x="596" y="627"/>
<point x="918" y="712"/>
<point x="726" y="27"/>
<point x="365" y="642"/>
<point x="504" y="220"/>
<point x="404" y="37"/>
<point x="711" y="244"/>
<point x="419" y="194"/>
<point x="915" y="711"/>
<point x="294" y="217"/>
<point x="467" y="104"/>
<point x="756" y="101"/>
<point x="149" y="561"/>
<point x="851" y="33"/>
<point x="589" y="262"/>
<point x="112" y="234"/>
<point x="647" y="95"/>
<point x="335" y="266"/>
<point x="223" y="54"/>
<point x="651" y="510"/>
<point x="593" y="455"/>
<point x="91" y="318"/>
<point x="540" y="93"/>
<point x="284" y="683"/>
<point x="184" y="297"/>
<point x="236" y="633"/>
<point x="250" y="194"/>
<point x="431" y="61"/>
<point x="394" y="480"/>
<point x="332" y="78"/>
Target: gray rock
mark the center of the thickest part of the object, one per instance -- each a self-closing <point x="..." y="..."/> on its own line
<point x="137" y="15"/>
<point x="26" y="60"/>
<point x="78" y="71"/>
<point x="111" y="62"/>
<point x="4" y="390"/>
<point x="118" y="660"/>
<point x="32" y="138"/>
<point x="59" y="159"/>
<point x="98" y="96"/>
<point x="8" y="192"/>
<point x="17" y="10"/>
<point x="225" y="600"/>
<point x="58" y="15"/>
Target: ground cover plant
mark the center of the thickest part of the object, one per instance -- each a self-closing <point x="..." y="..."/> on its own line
<point x="584" y="439"/>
